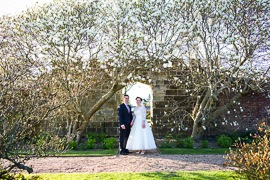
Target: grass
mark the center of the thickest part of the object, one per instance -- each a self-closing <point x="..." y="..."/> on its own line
<point x="180" y="175"/>
<point x="111" y="152"/>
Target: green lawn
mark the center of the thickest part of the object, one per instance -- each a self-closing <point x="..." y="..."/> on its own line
<point x="180" y="175"/>
<point x="111" y="152"/>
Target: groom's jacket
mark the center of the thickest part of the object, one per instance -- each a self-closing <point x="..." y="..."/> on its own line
<point x="123" y="116"/>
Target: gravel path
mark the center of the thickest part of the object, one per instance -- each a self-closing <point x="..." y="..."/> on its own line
<point x="153" y="162"/>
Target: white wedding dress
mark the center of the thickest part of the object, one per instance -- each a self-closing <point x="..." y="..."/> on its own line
<point x="140" y="138"/>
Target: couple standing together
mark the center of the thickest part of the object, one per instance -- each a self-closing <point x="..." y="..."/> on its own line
<point x="135" y="132"/>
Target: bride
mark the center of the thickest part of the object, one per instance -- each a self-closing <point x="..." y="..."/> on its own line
<point x="141" y="137"/>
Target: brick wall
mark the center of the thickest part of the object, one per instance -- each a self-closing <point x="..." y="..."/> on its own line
<point x="244" y="116"/>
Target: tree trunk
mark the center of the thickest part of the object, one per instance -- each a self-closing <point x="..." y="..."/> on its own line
<point x="86" y="119"/>
<point x="197" y="114"/>
<point x="195" y="130"/>
<point x="78" y="136"/>
<point x="207" y="105"/>
<point x="69" y="127"/>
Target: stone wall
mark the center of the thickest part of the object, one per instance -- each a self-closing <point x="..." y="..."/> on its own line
<point x="105" y="120"/>
<point x="166" y="119"/>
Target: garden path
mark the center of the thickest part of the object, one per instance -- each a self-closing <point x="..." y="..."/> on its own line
<point x="149" y="162"/>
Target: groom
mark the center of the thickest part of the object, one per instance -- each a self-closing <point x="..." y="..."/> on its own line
<point x="125" y="122"/>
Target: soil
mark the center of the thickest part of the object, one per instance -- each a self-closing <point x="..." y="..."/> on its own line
<point x="149" y="162"/>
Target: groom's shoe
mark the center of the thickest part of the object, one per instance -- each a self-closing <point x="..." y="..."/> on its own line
<point x="122" y="152"/>
<point x="127" y="151"/>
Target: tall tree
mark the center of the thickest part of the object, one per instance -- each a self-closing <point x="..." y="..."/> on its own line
<point x="84" y="45"/>
<point x="226" y="52"/>
<point x="26" y="103"/>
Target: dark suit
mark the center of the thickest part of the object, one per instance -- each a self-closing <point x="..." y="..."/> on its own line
<point x="124" y="118"/>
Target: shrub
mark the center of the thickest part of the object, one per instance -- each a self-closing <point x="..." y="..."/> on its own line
<point x="253" y="159"/>
<point x="234" y="136"/>
<point x="188" y="142"/>
<point x="73" y="145"/>
<point x="180" y="143"/>
<point x="224" y="141"/>
<point x="246" y="139"/>
<point x="82" y="146"/>
<point x="185" y="143"/>
<point x="170" y="142"/>
<point x="5" y="175"/>
<point x="109" y="143"/>
<point x="167" y="144"/>
<point x="204" y="144"/>
<point x="90" y="144"/>
<point x="99" y="137"/>
<point x="169" y="137"/>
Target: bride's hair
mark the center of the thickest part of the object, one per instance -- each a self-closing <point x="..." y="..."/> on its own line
<point x="139" y="98"/>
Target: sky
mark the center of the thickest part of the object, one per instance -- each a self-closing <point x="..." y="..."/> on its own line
<point x="16" y="6"/>
<point x="139" y="90"/>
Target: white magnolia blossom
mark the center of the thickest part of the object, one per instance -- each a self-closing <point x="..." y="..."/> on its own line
<point x="121" y="37"/>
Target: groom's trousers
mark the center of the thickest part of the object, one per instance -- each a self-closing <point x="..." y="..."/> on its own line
<point x="124" y="133"/>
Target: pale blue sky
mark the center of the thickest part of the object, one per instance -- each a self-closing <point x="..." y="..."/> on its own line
<point x="16" y="6"/>
<point x="141" y="90"/>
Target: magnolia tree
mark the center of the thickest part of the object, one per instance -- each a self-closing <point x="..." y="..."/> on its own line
<point x="26" y="103"/>
<point x="67" y="40"/>
<point x="225" y="52"/>
<point x="83" y="46"/>
<point x="136" y="36"/>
